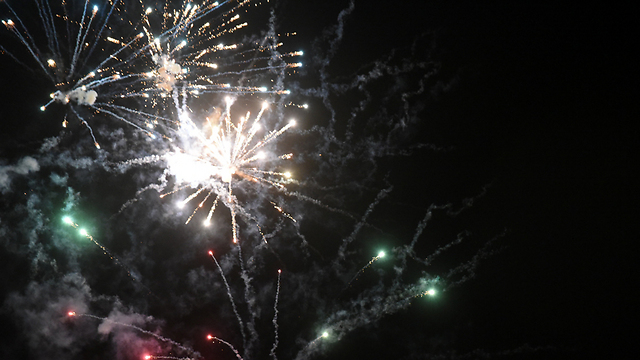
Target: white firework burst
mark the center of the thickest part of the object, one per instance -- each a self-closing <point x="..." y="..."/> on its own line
<point x="223" y="155"/>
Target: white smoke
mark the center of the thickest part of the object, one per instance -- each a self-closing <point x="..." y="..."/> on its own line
<point x="24" y="166"/>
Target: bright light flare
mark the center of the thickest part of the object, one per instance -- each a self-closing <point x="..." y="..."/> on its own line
<point x="223" y="155"/>
<point x="381" y="254"/>
<point x="71" y="313"/>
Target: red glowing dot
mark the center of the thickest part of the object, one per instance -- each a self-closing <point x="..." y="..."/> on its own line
<point x="209" y="337"/>
<point x="71" y="313"/>
<point x="279" y="271"/>
<point x="147" y="357"/>
<point x="210" y="252"/>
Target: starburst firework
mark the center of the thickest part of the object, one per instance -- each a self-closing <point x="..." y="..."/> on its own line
<point x="123" y="60"/>
<point x="223" y="155"/>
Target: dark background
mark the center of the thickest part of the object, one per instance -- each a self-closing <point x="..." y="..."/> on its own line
<point x="531" y="101"/>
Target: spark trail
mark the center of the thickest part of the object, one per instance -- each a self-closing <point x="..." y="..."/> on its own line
<point x="235" y="351"/>
<point x="149" y="357"/>
<point x="69" y="221"/>
<point x="324" y="335"/>
<point x="233" y="304"/>
<point x="275" y="320"/>
<point x="139" y="329"/>
<point x="380" y="255"/>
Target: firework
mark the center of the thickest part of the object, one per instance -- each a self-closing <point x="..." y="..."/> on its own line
<point x="224" y="155"/>
<point x="162" y="61"/>
<point x="192" y="48"/>
<point x="86" y="87"/>
<point x="122" y="60"/>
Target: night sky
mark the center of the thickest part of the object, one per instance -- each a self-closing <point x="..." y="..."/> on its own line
<point x="487" y="149"/>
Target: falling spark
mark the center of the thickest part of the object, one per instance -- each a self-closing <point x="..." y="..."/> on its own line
<point x="214" y="338"/>
<point x="324" y="335"/>
<point x="83" y="232"/>
<point x="149" y="357"/>
<point x="430" y="292"/>
<point x="380" y="255"/>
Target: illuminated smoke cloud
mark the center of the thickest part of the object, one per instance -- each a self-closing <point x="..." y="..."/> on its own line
<point x="24" y="166"/>
<point x="42" y="309"/>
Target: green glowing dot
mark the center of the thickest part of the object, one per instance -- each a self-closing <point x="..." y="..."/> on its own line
<point x="381" y="254"/>
<point x="67" y="220"/>
<point x="431" y="292"/>
<point x="83" y="232"/>
<point x="325" y="334"/>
